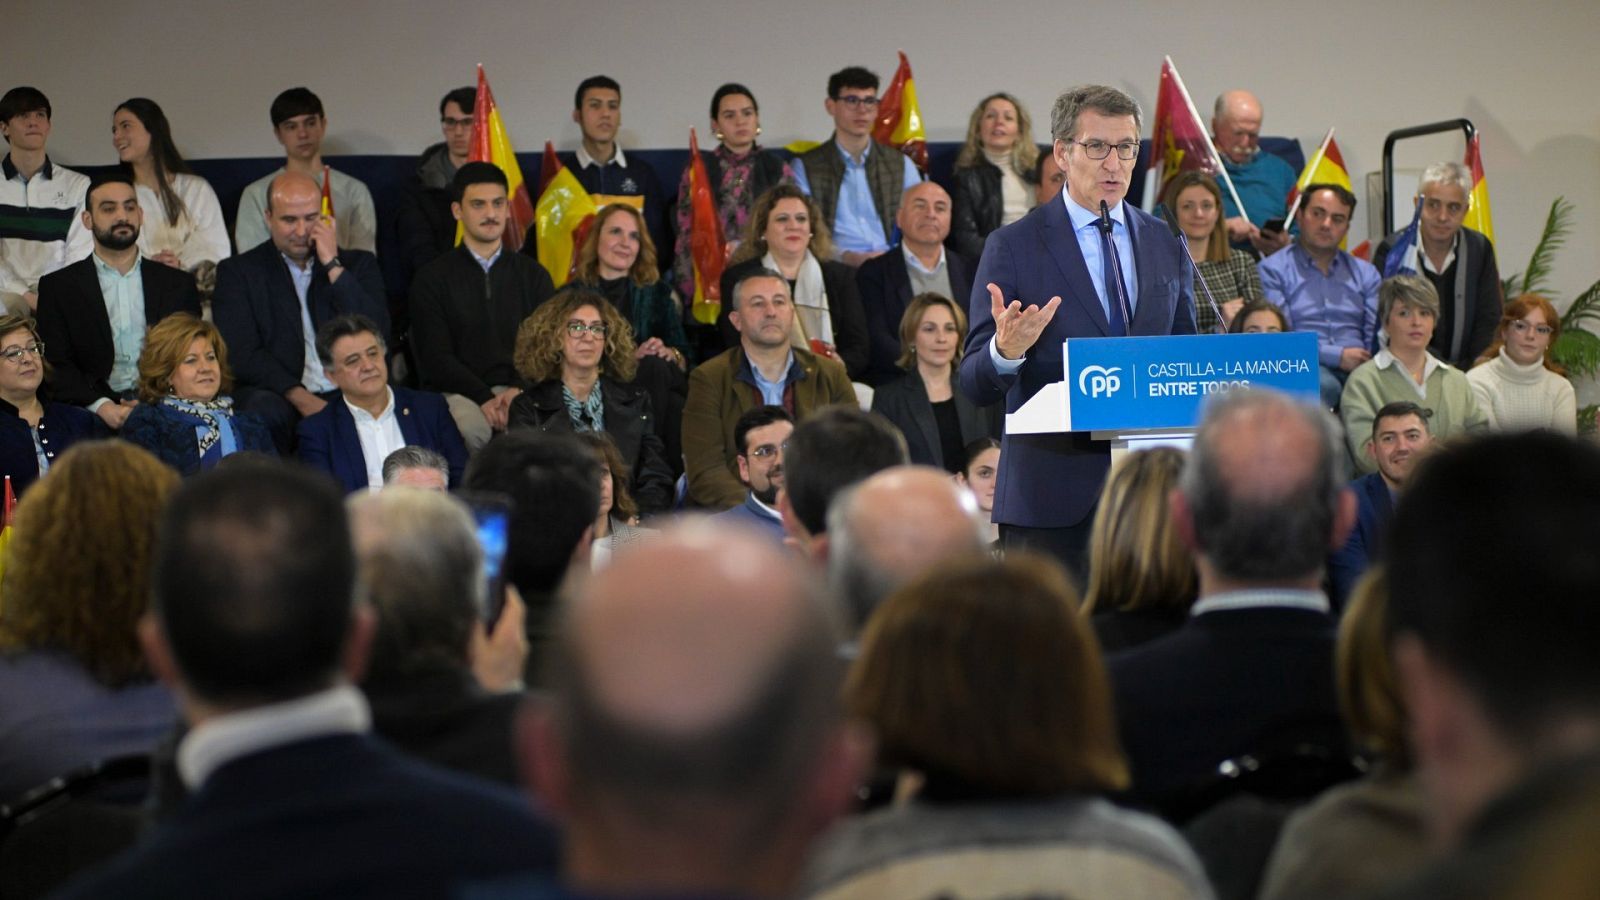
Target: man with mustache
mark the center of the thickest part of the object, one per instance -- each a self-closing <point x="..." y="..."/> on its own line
<point x="94" y="313"/>
<point x="760" y="434"/>
<point x="1262" y="179"/>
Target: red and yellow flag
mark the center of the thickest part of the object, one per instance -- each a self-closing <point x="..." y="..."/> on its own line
<point x="564" y="215"/>
<point x="10" y="504"/>
<point x="706" y="243"/>
<point x="491" y="144"/>
<point x="900" y="118"/>
<point x="327" y="192"/>
<point x="1179" y="141"/>
<point x="1326" y="167"/>
<point x="1478" y="210"/>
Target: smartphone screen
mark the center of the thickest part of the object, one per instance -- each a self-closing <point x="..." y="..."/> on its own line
<point x="491" y="514"/>
<point x="1273" y="226"/>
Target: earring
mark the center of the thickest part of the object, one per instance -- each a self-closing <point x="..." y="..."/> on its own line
<point x="718" y="134"/>
<point x="758" y="131"/>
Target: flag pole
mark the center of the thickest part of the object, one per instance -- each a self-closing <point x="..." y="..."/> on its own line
<point x="1211" y="146"/>
<point x="1300" y="189"/>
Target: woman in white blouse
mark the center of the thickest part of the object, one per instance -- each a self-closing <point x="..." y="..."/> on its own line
<point x="183" y="224"/>
<point x="1518" y="386"/>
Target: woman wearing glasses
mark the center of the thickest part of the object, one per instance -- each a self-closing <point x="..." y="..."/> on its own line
<point x="33" y="432"/>
<point x="577" y="354"/>
<point x="1518" y="386"/>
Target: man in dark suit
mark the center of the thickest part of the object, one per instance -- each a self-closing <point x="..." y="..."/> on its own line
<point x="1261" y="502"/>
<point x="255" y="627"/>
<point x="1399" y="438"/>
<point x="1042" y="280"/>
<point x="920" y="265"/>
<point x="93" y="314"/>
<point x="271" y="300"/>
<point x="355" y="433"/>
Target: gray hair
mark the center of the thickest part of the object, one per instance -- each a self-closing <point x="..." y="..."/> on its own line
<point x="414" y="457"/>
<point x="738" y="286"/>
<point x="1448" y="172"/>
<point x="1255" y="538"/>
<point x="1107" y="101"/>
<point x="1414" y="291"/>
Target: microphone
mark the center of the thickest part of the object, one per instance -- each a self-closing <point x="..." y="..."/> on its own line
<point x="1121" y="298"/>
<point x="1183" y="241"/>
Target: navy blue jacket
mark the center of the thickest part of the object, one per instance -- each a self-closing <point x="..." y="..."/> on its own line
<point x="885" y="286"/>
<point x="59" y="428"/>
<point x="329" y="441"/>
<point x="172" y="439"/>
<point x="1374" y="506"/>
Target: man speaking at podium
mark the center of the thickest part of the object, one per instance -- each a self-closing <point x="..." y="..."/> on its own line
<point x="1085" y="264"/>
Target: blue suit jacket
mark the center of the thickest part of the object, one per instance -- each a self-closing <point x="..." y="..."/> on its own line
<point x="1053" y="480"/>
<point x="328" y="440"/>
<point x="1346" y="565"/>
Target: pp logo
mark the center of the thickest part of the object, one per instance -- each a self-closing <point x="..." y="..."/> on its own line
<point x="1098" y="381"/>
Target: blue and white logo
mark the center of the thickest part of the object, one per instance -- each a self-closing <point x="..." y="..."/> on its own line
<point x="1099" y="381"/>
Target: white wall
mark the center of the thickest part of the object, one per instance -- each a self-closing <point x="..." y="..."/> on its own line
<point x="1523" y="72"/>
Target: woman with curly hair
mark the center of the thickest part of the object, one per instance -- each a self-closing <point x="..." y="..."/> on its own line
<point x="617" y="260"/>
<point x="990" y="182"/>
<point x="577" y="353"/>
<point x="77" y="579"/>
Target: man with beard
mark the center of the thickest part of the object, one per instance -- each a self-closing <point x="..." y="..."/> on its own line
<point x="1399" y="438"/>
<point x="760" y="435"/>
<point x="93" y="314"/>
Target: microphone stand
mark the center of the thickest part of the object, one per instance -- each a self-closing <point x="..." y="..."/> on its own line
<point x="1183" y="241"/>
<point x="1121" y="292"/>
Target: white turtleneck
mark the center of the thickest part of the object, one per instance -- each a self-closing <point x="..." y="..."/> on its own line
<point x="1016" y="198"/>
<point x="1516" y="397"/>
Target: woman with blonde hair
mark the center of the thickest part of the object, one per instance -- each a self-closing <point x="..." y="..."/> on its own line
<point x="990" y="183"/>
<point x="617" y="260"/>
<point x="938" y="420"/>
<point x="1518" y="386"/>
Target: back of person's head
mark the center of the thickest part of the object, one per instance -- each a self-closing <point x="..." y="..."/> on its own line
<point x="21" y="100"/>
<point x="995" y="699"/>
<point x="476" y="172"/>
<point x="78" y="566"/>
<point x="833" y="449"/>
<point x="296" y="101"/>
<point x="553" y="481"/>
<point x="1137" y="560"/>
<point x="855" y="77"/>
<point x="421" y="569"/>
<point x="1369" y="692"/>
<point x="254" y="583"/>
<point x="1264" y="487"/>
<point x="412" y="456"/>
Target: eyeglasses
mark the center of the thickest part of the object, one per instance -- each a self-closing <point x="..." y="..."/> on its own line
<point x="598" y="329"/>
<point x="15" y="354"/>
<point x="853" y="101"/>
<point x="1520" y="326"/>
<point x="767" y="451"/>
<point x="451" y="123"/>
<point x="1101" y="149"/>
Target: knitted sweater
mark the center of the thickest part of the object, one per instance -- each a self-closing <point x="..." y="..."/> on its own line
<point x="1522" y="398"/>
<point x="1383" y="379"/>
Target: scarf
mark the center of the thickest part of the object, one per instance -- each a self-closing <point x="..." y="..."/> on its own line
<point x="811" y="316"/>
<point x="589" y="415"/>
<point x="207" y="416"/>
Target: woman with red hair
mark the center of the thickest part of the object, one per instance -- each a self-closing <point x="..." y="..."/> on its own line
<point x="1518" y="386"/>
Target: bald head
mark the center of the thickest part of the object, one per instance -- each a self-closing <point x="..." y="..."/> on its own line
<point x="924" y="217"/>
<point x="1236" y="125"/>
<point x="892" y="527"/>
<point x="294" y="205"/>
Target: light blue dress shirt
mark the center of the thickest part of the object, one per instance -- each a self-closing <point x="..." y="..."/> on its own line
<point x="1341" y="306"/>
<point x="856" y="226"/>
<point x="772" y="391"/>
<point x="312" y="378"/>
<point x="124" y="297"/>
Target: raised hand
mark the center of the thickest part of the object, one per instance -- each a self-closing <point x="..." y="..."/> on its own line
<point x="1017" y="328"/>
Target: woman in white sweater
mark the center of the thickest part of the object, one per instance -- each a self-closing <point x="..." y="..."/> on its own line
<point x="183" y="224"/>
<point x="1518" y="386"/>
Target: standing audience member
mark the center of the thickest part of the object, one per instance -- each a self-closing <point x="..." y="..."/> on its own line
<point x="827" y="453"/>
<point x="1262" y="179"/>
<point x="1518" y="386"/>
<point x="184" y="228"/>
<point x="991" y="173"/>
<point x="42" y="231"/>
<point x="999" y="716"/>
<point x="417" y="467"/>
<point x="937" y="420"/>
<point x="1399" y="439"/>
<point x="78" y="572"/>
<point x="760" y="436"/>
<point x="978" y="474"/>
<point x="424" y="228"/>
<point x="34" y="432"/>
<point x="299" y="124"/>
<point x="1230" y="275"/>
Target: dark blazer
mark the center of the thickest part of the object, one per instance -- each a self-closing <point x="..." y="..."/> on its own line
<point x="905" y="403"/>
<point x="630" y="421"/>
<point x="1477" y="309"/>
<point x="885" y="286"/>
<point x="1346" y="565"/>
<point x="258" y="313"/>
<point x="844" y="304"/>
<point x="172" y="439"/>
<point x="77" y="331"/>
<point x="440" y="714"/>
<point x="337" y="816"/>
<point x="60" y="427"/>
<point x="976" y="205"/>
<point x="1053" y="480"/>
<point x="329" y="440"/>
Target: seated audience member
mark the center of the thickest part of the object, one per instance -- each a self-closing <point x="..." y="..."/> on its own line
<point x="553" y="483"/>
<point x="1494" y="651"/>
<point x="353" y="435"/>
<point x="1259" y="317"/>
<point x="185" y="416"/>
<point x="417" y="467"/>
<point x="1398" y="440"/>
<point x="1141" y="580"/>
<point x="299" y="124"/>
<point x="467" y="305"/>
<point x="937" y="420"/>
<point x="763" y="370"/>
<point x="1263" y="180"/>
<point x="436" y="664"/>
<point x="93" y="314"/>
<point x="424" y="228"/>
<point x="1260" y="503"/>
<point x="576" y="354"/>
<point x="786" y="237"/>
<point x="77" y="580"/>
<point x="1321" y="288"/>
<point x="760" y="435"/>
<point x="827" y="453"/>
<point x="978" y="472"/>
<point x="888" y="283"/>
<point x="256" y="627"/>
<point x="1518" y="386"/>
<point x="990" y="181"/>
<point x="1195" y="202"/>
<point x="692" y="744"/>
<point x="617" y="260"/>
<point x="270" y="321"/>
<point x="1458" y="261"/>
<point x="184" y="226"/>
<point x="1004" y="781"/>
<point x="1366" y="834"/>
<point x="856" y="181"/>
<point x="1048" y="178"/>
<point x="892" y="527"/>
<point x="617" y="524"/>
<point x="1405" y="370"/>
<point x="42" y="199"/>
<point x="34" y="432"/>
<point x="738" y="171"/>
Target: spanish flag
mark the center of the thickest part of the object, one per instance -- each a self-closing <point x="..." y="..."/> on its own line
<point x="327" y="192"/>
<point x="1326" y="167"/>
<point x="6" y="510"/>
<point x="491" y="144"/>
<point x="900" y="118"/>
<point x="1478" y="210"/>
<point x="564" y="215"/>
<point x="706" y="244"/>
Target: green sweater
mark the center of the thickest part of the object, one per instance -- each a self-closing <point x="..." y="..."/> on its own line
<point x="1382" y="380"/>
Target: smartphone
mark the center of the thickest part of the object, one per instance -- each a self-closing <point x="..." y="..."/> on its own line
<point x="1273" y="226"/>
<point x="491" y="516"/>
